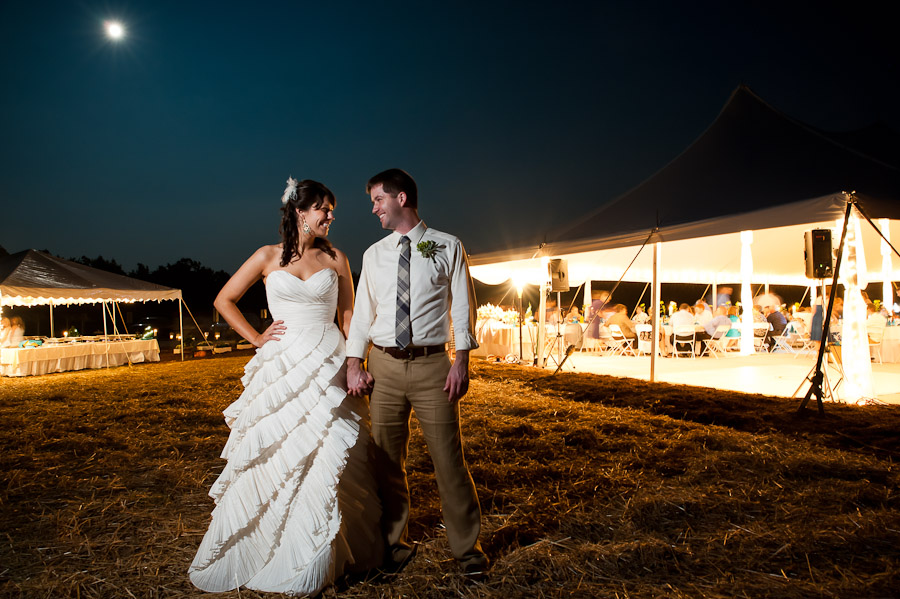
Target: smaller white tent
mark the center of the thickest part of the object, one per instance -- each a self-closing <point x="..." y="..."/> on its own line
<point x="34" y="278"/>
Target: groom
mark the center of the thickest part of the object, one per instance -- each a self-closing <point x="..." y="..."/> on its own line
<point x="413" y="283"/>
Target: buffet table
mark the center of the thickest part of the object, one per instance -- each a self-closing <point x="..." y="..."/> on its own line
<point x="26" y="361"/>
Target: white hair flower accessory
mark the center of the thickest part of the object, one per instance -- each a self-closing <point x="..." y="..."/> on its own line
<point x="290" y="192"/>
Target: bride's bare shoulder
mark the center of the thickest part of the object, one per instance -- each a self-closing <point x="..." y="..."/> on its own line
<point x="266" y="258"/>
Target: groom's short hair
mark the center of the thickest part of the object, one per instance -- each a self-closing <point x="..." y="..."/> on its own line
<point x="393" y="181"/>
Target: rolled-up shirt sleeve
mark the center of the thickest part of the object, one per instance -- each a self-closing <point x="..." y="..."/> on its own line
<point x="462" y="301"/>
<point x="363" y="314"/>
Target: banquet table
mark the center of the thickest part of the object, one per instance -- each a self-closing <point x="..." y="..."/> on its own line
<point x="495" y="338"/>
<point x="498" y="339"/>
<point x="890" y="348"/>
<point x="27" y="361"/>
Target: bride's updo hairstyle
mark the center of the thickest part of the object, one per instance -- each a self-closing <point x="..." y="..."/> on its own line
<point x="301" y="195"/>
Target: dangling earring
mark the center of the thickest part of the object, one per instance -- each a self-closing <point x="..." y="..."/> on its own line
<point x="306" y="229"/>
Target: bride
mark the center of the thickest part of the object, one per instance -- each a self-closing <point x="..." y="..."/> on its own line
<point x="296" y="505"/>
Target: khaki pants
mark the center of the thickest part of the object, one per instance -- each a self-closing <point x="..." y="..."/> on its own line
<point x="402" y="386"/>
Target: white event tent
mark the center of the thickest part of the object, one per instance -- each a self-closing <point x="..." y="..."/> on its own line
<point x="754" y="180"/>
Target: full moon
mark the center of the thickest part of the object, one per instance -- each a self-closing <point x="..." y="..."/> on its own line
<point x="114" y="30"/>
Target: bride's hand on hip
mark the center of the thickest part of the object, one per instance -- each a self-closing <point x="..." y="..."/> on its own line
<point x="275" y="330"/>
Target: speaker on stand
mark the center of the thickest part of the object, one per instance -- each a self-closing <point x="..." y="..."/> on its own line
<point x="818" y="254"/>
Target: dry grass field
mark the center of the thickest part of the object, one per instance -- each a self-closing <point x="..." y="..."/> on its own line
<point x="590" y="486"/>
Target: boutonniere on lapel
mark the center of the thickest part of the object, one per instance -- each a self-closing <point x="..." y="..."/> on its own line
<point x="428" y="249"/>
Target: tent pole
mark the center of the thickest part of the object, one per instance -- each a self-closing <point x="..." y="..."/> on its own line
<point x="715" y="296"/>
<point x="639" y="299"/>
<point x="105" y="337"/>
<point x="805" y="291"/>
<point x="654" y="302"/>
<point x="542" y="314"/>
<point x="181" y="327"/>
<point x="121" y="317"/>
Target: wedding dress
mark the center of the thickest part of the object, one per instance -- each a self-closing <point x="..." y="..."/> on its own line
<point x="296" y="504"/>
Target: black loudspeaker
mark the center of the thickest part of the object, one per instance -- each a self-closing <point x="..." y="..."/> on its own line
<point x="818" y="254"/>
<point x="559" y="275"/>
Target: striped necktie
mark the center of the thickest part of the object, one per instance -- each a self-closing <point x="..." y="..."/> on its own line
<point x="404" y="330"/>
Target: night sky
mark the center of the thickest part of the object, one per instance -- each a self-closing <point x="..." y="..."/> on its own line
<point x="176" y="140"/>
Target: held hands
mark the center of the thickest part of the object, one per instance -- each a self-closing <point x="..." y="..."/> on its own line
<point x="359" y="381"/>
<point x="275" y="330"/>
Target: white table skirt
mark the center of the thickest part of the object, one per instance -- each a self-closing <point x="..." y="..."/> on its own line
<point x="890" y="348"/>
<point x="28" y="361"/>
<point x="500" y="340"/>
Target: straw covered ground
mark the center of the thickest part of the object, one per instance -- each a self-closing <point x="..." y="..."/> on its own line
<point x="590" y="486"/>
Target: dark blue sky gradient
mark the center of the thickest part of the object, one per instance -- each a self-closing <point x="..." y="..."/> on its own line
<point x="176" y="141"/>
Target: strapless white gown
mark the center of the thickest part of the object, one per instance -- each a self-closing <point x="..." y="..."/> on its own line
<point x="296" y="504"/>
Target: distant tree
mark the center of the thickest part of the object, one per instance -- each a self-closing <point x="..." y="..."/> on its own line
<point x="199" y="284"/>
<point x="101" y="263"/>
<point x="142" y="272"/>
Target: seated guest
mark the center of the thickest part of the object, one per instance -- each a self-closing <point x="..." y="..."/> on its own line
<point x="777" y="321"/>
<point x="758" y="315"/>
<point x="702" y="313"/>
<point x="620" y="317"/>
<point x="684" y="317"/>
<point x="735" y="317"/>
<point x="574" y="315"/>
<point x="875" y="323"/>
<point x="640" y="317"/>
<point x="720" y="319"/>
<point x="15" y="334"/>
<point x="701" y="316"/>
<point x="709" y="329"/>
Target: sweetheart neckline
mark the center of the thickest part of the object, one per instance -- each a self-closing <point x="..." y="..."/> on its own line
<point x="293" y="276"/>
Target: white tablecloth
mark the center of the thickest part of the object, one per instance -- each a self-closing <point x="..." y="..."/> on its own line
<point x="890" y="348"/>
<point x="500" y="340"/>
<point x="27" y="361"/>
<point x="495" y="338"/>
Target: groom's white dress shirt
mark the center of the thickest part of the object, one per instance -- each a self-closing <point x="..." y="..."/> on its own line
<point x="440" y="289"/>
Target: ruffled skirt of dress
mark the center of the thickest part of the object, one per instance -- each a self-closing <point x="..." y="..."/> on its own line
<point x="296" y="504"/>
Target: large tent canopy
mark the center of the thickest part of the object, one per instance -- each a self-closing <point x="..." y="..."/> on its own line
<point x="754" y="169"/>
<point x="33" y="278"/>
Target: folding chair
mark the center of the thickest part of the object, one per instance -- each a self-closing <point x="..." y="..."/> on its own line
<point x="785" y="340"/>
<point x="619" y="344"/>
<point x="876" y="341"/>
<point x="800" y="340"/>
<point x="685" y="335"/>
<point x="644" y="341"/>
<point x="719" y="343"/>
<point x="759" y="336"/>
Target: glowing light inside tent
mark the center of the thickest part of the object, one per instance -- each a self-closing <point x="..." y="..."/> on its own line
<point x="887" y="293"/>
<point x="855" y="355"/>
<point x="746" y="293"/>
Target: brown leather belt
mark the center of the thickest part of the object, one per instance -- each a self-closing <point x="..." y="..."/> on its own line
<point x="411" y="353"/>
